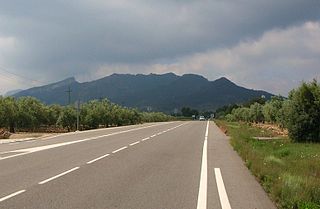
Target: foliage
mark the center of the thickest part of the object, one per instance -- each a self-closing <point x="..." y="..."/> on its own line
<point x="289" y="172"/>
<point x="155" y="117"/>
<point x="225" y="110"/>
<point x="188" y="112"/>
<point x="271" y="110"/>
<point x="31" y="113"/>
<point x="304" y="113"/>
<point x="67" y="118"/>
<point x="259" y="100"/>
<point x="52" y="114"/>
<point x="255" y="113"/>
<point x="28" y="113"/>
<point x="8" y="113"/>
<point x="300" y="113"/>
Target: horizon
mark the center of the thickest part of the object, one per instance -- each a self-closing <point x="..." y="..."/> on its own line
<point x="73" y="77"/>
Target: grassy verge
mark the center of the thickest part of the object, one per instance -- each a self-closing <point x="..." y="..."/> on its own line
<point x="289" y="172"/>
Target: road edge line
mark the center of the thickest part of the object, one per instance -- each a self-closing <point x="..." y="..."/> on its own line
<point x="202" y="195"/>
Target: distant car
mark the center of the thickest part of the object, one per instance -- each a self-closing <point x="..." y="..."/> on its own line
<point x="202" y="117"/>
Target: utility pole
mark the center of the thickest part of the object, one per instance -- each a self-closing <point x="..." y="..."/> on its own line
<point x="69" y="95"/>
<point x="78" y="113"/>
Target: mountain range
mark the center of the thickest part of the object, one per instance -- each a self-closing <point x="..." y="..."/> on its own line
<point x="155" y="92"/>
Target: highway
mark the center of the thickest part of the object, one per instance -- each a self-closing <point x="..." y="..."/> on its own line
<point x="169" y="165"/>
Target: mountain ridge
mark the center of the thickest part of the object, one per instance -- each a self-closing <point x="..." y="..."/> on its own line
<point x="159" y="92"/>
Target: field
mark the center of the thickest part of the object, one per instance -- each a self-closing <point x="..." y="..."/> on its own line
<point x="289" y="172"/>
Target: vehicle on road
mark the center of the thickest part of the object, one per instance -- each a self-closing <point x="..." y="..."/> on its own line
<point x="202" y="118"/>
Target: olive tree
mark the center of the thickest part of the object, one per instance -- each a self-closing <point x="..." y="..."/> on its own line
<point x="31" y="113"/>
<point x="303" y="120"/>
<point x="67" y="118"/>
<point x="8" y="113"/>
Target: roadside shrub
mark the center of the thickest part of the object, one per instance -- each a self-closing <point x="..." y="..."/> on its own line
<point x="303" y="120"/>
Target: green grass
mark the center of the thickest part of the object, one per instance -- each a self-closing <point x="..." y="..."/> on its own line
<point x="289" y="172"/>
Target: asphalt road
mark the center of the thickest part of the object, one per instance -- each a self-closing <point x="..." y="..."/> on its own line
<point x="173" y="165"/>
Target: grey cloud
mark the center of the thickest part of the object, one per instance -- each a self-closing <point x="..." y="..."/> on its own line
<point x="55" y="39"/>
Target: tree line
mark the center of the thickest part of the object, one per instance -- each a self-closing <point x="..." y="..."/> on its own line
<point x="30" y="114"/>
<point x="299" y="113"/>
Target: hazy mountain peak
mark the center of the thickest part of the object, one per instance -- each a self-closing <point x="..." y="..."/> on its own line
<point x="64" y="82"/>
<point x="194" y="77"/>
<point x="161" y="92"/>
<point x="12" y="92"/>
<point x="224" y="80"/>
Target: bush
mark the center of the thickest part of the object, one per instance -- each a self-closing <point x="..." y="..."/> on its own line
<point x="303" y="120"/>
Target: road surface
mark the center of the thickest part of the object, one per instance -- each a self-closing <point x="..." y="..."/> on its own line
<point x="172" y="165"/>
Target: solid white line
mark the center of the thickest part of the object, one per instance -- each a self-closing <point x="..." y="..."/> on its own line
<point x="134" y="143"/>
<point x="96" y="130"/>
<point x="145" y="139"/>
<point x="153" y="135"/>
<point x="99" y="158"/>
<point x="207" y="130"/>
<point x="45" y="147"/>
<point x="122" y="148"/>
<point x="11" y="195"/>
<point x="221" y="189"/>
<point x="59" y="175"/>
<point x="202" y="195"/>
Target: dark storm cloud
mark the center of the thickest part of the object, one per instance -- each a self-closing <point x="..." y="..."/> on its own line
<point x="62" y="38"/>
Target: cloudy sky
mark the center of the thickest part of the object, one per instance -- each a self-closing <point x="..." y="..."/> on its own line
<point x="270" y="44"/>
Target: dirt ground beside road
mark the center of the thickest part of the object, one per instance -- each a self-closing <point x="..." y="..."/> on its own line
<point x="22" y="135"/>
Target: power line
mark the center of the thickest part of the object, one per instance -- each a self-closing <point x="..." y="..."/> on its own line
<point x="21" y="76"/>
<point x="9" y="78"/>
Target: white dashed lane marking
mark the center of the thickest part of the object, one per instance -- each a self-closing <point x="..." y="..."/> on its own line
<point x="99" y="158"/>
<point x="59" y="175"/>
<point x="35" y="149"/>
<point x="145" y="139"/>
<point x="11" y="195"/>
<point x="122" y="148"/>
<point x="134" y="143"/>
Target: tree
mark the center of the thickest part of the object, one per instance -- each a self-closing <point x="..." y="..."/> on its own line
<point x="271" y="109"/>
<point x="31" y="113"/>
<point x="188" y="112"/>
<point x="225" y="110"/>
<point x="106" y="114"/>
<point x="8" y="113"/>
<point x="303" y="120"/>
<point x="259" y="100"/>
<point x="91" y="114"/>
<point x="67" y="118"/>
<point x="53" y="112"/>
<point x="256" y="114"/>
<point x="283" y="114"/>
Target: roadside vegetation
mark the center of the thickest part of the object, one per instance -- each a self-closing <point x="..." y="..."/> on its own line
<point x="288" y="171"/>
<point x="288" y="167"/>
<point x="29" y="114"/>
<point x="300" y="113"/>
